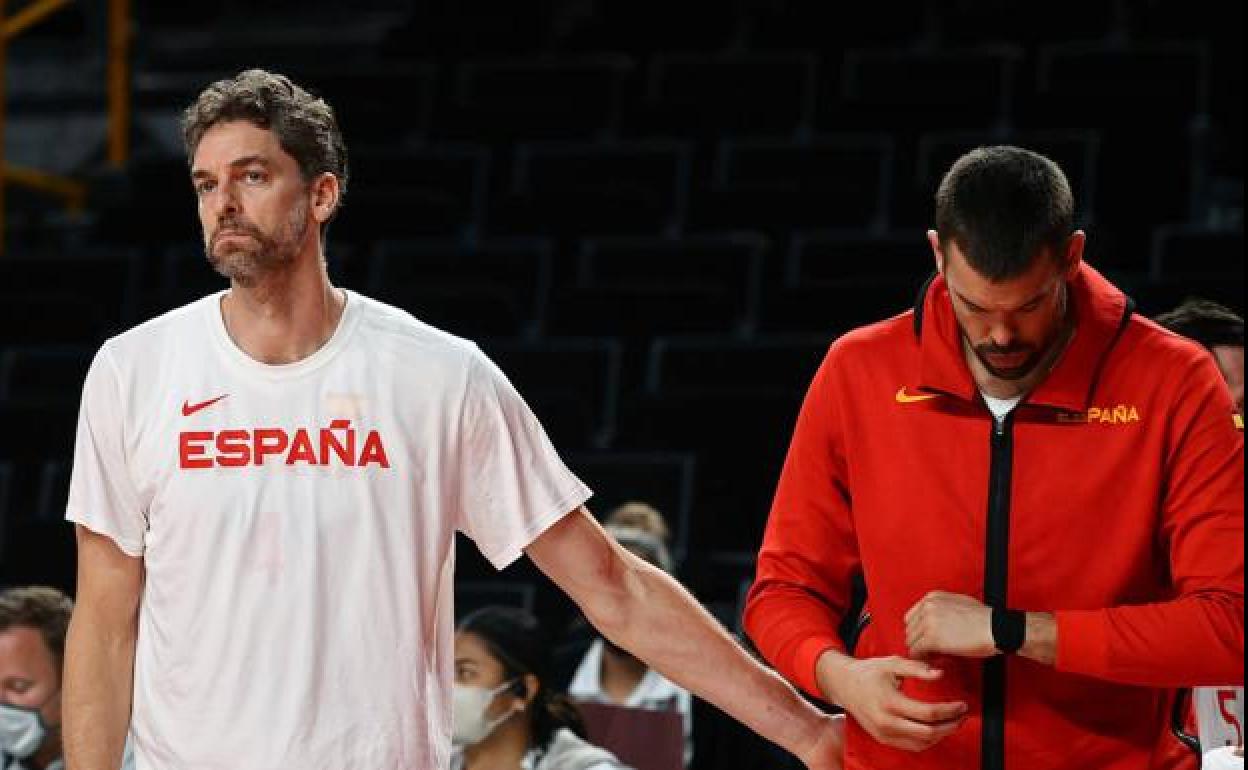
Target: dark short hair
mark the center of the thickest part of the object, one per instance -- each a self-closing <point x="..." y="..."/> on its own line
<point x="1001" y="205"/>
<point x="305" y="125"/>
<point x="41" y="608"/>
<point x="1205" y="321"/>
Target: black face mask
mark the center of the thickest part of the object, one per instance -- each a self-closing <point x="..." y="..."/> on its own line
<point x="616" y="649"/>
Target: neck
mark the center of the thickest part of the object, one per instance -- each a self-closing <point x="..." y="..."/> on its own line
<point x="285" y="316"/>
<point x="621" y="673"/>
<point x="503" y="749"/>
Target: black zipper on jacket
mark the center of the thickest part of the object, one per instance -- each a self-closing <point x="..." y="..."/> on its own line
<point x="996" y="580"/>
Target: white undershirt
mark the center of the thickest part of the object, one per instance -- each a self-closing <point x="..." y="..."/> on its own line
<point x="1000" y="407"/>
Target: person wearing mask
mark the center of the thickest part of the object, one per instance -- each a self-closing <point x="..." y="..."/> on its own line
<point x="506" y="717"/>
<point x="612" y="675"/>
<point x="33" y="622"/>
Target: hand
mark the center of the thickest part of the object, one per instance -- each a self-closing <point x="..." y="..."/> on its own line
<point x="870" y="690"/>
<point x="827" y="752"/>
<point x="950" y="624"/>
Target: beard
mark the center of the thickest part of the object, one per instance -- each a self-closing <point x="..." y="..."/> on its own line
<point x="1016" y="372"/>
<point x="247" y="259"/>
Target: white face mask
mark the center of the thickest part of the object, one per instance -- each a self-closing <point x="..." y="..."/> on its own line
<point x="22" y="731"/>
<point x="469" y="707"/>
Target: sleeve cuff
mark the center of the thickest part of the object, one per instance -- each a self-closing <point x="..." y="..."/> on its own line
<point x="805" y="660"/>
<point x="1082" y="646"/>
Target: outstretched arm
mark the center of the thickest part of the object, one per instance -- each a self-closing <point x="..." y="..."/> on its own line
<point x="648" y="613"/>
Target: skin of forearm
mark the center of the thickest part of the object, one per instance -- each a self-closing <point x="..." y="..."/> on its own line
<point x="652" y="616"/>
<point x="98" y="685"/>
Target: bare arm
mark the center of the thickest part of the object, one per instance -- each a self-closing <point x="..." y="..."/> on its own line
<point x="648" y="613"/>
<point x="99" y="654"/>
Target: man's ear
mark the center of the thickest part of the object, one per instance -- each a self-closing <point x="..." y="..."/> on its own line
<point x="933" y="240"/>
<point x="325" y="194"/>
<point x="1074" y="253"/>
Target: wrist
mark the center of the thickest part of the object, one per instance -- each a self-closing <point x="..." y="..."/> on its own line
<point x="831" y="671"/>
<point x="1040" y="642"/>
<point x="1009" y="630"/>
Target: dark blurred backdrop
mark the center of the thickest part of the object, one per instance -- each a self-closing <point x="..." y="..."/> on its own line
<point x="653" y="215"/>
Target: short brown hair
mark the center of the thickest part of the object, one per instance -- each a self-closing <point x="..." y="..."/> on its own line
<point x="305" y="125"/>
<point x="1001" y="205"/>
<point x="42" y="608"/>
<point x="642" y="516"/>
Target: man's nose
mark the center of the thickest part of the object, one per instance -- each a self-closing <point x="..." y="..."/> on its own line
<point x="1001" y="333"/>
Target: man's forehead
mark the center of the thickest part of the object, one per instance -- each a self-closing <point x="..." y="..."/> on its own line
<point x="23" y="648"/>
<point x="234" y="141"/>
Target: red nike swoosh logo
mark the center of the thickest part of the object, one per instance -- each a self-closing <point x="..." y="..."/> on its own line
<point x="189" y="409"/>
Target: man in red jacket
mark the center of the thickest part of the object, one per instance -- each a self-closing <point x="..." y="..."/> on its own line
<point x="1042" y="490"/>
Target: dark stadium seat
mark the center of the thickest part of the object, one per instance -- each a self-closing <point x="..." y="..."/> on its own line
<point x="1184" y="253"/>
<point x="734" y="403"/>
<point x="489" y="288"/>
<point x="1076" y="151"/>
<point x="832" y="258"/>
<point x="831" y="181"/>
<point x="6" y="514"/>
<point x="662" y="479"/>
<point x="834" y="309"/>
<point x="53" y="490"/>
<point x="65" y="299"/>
<point x="1142" y="144"/>
<point x="43" y="372"/>
<point x="576" y="189"/>
<point x="471" y="595"/>
<point x="390" y="105"/>
<point x="400" y="194"/>
<point x="572" y="385"/>
<point x="733" y="94"/>
<point x="892" y="89"/>
<point x="638" y="287"/>
<point x="508" y="100"/>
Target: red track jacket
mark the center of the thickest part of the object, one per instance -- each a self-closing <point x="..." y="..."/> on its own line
<point x="1118" y="506"/>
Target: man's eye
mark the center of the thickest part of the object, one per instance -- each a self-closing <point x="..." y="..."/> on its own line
<point x="204" y="187"/>
<point x="255" y="176"/>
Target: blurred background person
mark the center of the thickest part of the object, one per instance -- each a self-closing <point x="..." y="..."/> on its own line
<point x="33" y="622"/>
<point x="1206" y="719"/>
<point x="1221" y="331"/>
<point x="611" y="675"/>
<point x="506" y="716"/>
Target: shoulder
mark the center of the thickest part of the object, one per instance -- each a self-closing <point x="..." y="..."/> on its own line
<point x="568" y="751"/>
<point x="387" y="324"/>
<point x="890" y="336"/>
<point x="182" y="326"/>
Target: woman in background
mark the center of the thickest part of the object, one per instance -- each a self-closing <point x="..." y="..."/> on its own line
<point x="506" y="717"/>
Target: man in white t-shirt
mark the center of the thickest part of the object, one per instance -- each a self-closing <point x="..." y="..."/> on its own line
<point x="266" y="487"/>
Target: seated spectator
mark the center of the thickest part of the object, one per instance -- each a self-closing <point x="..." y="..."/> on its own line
<point x="1208" y="718"/>
<point x="1221" y="331"/>
<point x="505" y="714"/>
<point x="608" y="674"/>
<point x="33" y="624"/>
<point x="642" y="516"/>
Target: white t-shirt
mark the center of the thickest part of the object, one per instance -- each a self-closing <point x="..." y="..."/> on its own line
<point x="1219" y="716"/>
<point x="296" y="523"/>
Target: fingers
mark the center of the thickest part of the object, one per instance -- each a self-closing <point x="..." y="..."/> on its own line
<point x="915" y="736"/>
<point x="913" y="669"/>
<point x="927" y="713"/>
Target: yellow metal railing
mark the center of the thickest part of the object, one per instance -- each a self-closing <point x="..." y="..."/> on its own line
<point x="72" y="192"/>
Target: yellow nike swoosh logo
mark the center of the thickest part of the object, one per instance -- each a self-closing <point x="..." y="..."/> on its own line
<point x="905" y="398"/>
